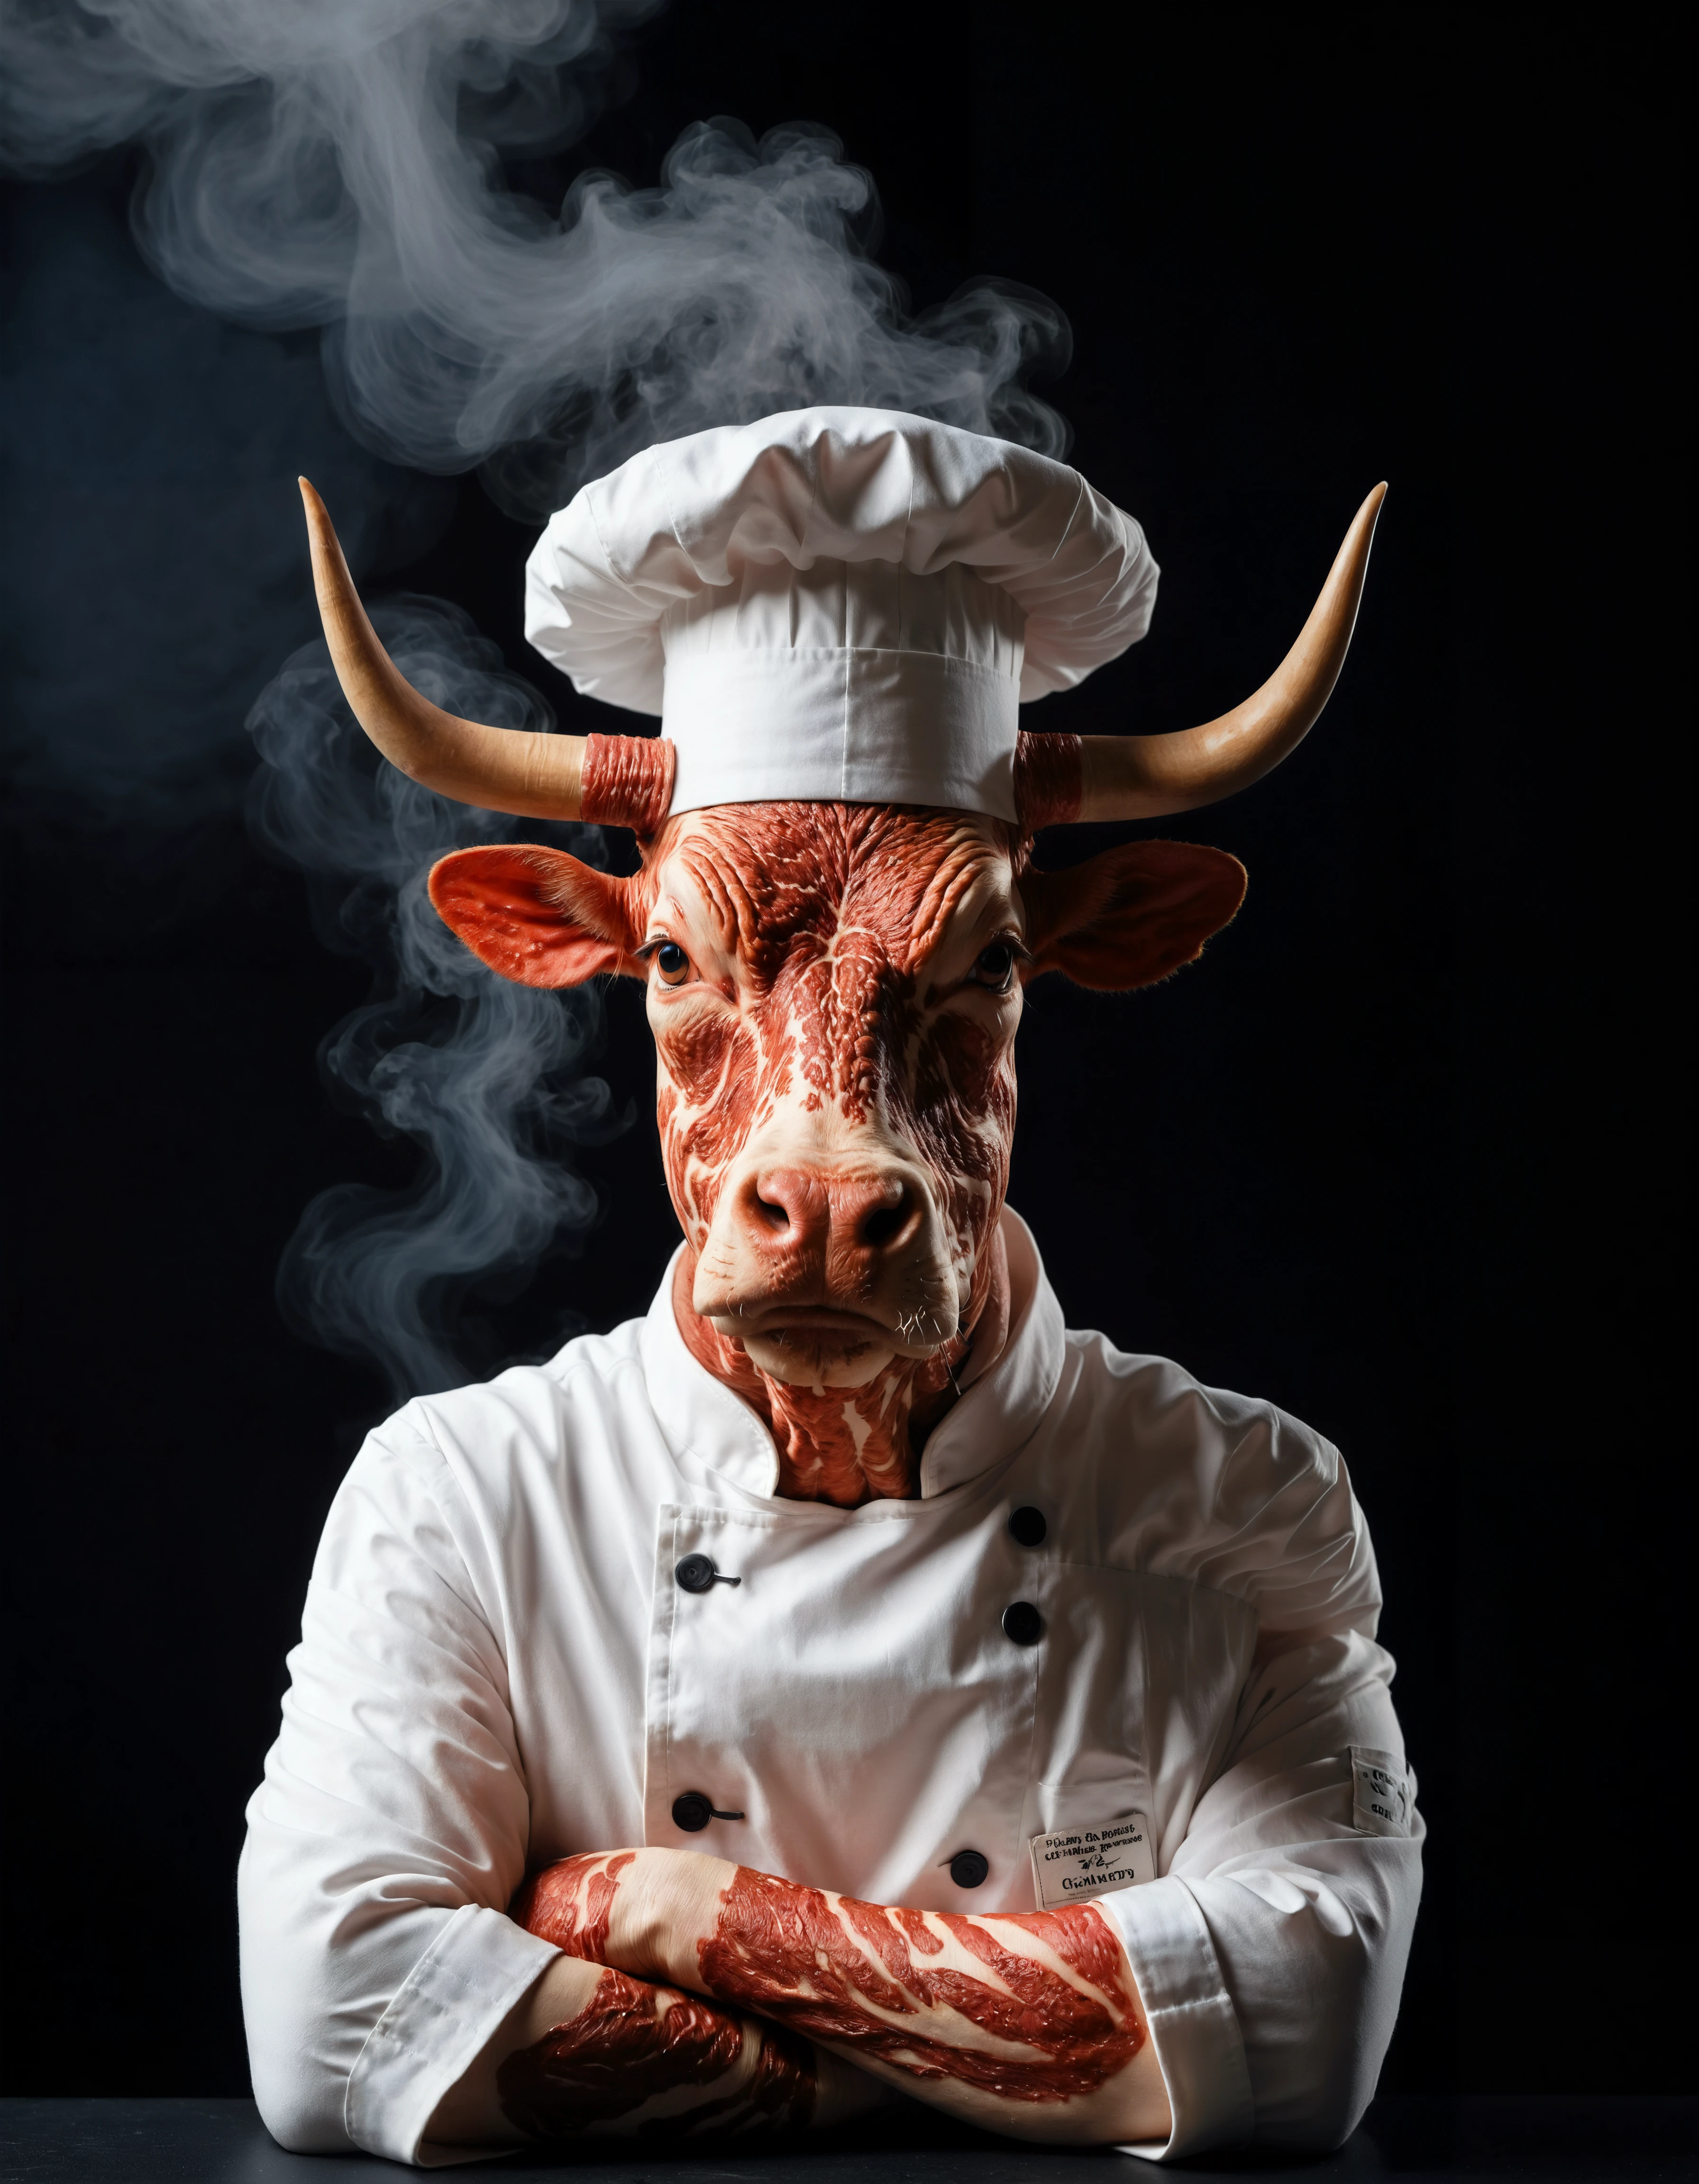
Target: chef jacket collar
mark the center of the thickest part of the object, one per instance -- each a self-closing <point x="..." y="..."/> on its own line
<point x="706" y="1426"/>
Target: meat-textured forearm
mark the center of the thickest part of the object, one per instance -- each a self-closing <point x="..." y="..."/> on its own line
<point x="1026" y="2008"/>
<point x="635" y="2045"/>
<point x="1032" y="2011"/>
<point x="651" y="2059"/>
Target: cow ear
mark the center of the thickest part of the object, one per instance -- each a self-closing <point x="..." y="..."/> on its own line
<point x="536" y="915"/>
<point x="1131" y="915"/>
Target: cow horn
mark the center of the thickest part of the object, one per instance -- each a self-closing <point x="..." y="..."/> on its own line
<point x="1146" y="776"/>
<point x="623" y="781"/>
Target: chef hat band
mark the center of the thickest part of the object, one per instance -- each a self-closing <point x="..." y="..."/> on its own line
<point x="838" y="604"/>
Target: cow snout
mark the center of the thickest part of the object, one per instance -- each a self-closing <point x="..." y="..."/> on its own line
<point x="848" y="1226"/>
<point x="825" y="1269"/>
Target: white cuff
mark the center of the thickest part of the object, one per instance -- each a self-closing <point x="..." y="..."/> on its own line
<point x="1192" y="2021"/>
<point x="443" y="2017"/>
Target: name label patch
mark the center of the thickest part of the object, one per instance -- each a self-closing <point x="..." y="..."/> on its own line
<point x="1380" y="1793"/>
<point x="1074" y="1864"/>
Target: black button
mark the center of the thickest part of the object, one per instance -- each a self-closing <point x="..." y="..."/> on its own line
<point x="969" y="1868"/>
<point x="691" y="1812"/>
<point x="1022" y="1623"/>
<point x="697" y="1573"/>
<point x="1027" y="1528"/>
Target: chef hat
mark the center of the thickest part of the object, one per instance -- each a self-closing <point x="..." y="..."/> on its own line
<point x="839" y="605"/>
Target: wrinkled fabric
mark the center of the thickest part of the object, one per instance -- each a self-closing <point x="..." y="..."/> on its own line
<point x="839" y="605"/>
<point x="498" y="1667"/>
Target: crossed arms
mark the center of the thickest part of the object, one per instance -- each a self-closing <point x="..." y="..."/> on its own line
<point x="693" y="1995"/>
<point x="386" y="1984"/>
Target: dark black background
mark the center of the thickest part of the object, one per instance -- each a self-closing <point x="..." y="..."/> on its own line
<point x="1405" y="1153"/>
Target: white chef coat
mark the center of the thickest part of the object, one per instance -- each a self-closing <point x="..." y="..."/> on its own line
<point x="498" y="1667"/>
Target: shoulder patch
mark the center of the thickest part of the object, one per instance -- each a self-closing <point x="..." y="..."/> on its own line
<point x="1380" y="1793"/>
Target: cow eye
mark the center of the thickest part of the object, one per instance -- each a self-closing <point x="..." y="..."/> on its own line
<point x="995" y="969"/>
<point x="672" y="963"/>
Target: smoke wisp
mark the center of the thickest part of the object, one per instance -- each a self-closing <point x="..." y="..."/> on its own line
<point x="339" y="166"/>
<point x="490" y="1079"/>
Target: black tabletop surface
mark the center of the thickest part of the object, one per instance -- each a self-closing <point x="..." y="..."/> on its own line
<point x="220" y="2141"/>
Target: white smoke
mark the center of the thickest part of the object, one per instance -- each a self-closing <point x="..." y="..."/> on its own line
<point x="337" y="165"/>
<point x="488" y="1077"/>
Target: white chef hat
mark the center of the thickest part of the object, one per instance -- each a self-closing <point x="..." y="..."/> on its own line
<point x="840" y="605"/>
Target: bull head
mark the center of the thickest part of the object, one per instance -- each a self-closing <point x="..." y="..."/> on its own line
<point x="834" y="990"/>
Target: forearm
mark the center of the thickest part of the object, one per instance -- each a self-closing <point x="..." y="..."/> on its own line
<point x="591" y="2050"/>
<point x="1030" y="2024"/>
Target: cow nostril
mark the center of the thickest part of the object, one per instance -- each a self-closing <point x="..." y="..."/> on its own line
<point x="884" y="1223"/>
<point x="774" y="1217"/>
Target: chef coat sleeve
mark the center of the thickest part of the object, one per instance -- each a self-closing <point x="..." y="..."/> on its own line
<point x="1271" y="1954"/>
<point x="391" y="1828"/>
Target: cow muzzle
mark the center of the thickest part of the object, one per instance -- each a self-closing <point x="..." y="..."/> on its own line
<point x="825" y="1273"/>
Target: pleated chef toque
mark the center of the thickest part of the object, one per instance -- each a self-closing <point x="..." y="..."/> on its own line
<point x="839" y="605"/>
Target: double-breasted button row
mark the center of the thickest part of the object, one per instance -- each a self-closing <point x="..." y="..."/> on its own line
<point x="1022" y="1624"/>
<point x="693" y="1809"/>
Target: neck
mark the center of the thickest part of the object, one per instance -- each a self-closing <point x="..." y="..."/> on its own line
<point x="847" y="1446"/>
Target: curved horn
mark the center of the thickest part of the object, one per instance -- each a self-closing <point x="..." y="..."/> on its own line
<point x="1144" y="776"/>
<point x="620" y="780"/>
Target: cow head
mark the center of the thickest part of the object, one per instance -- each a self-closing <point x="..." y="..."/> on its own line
<point x="834" y="991"/>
